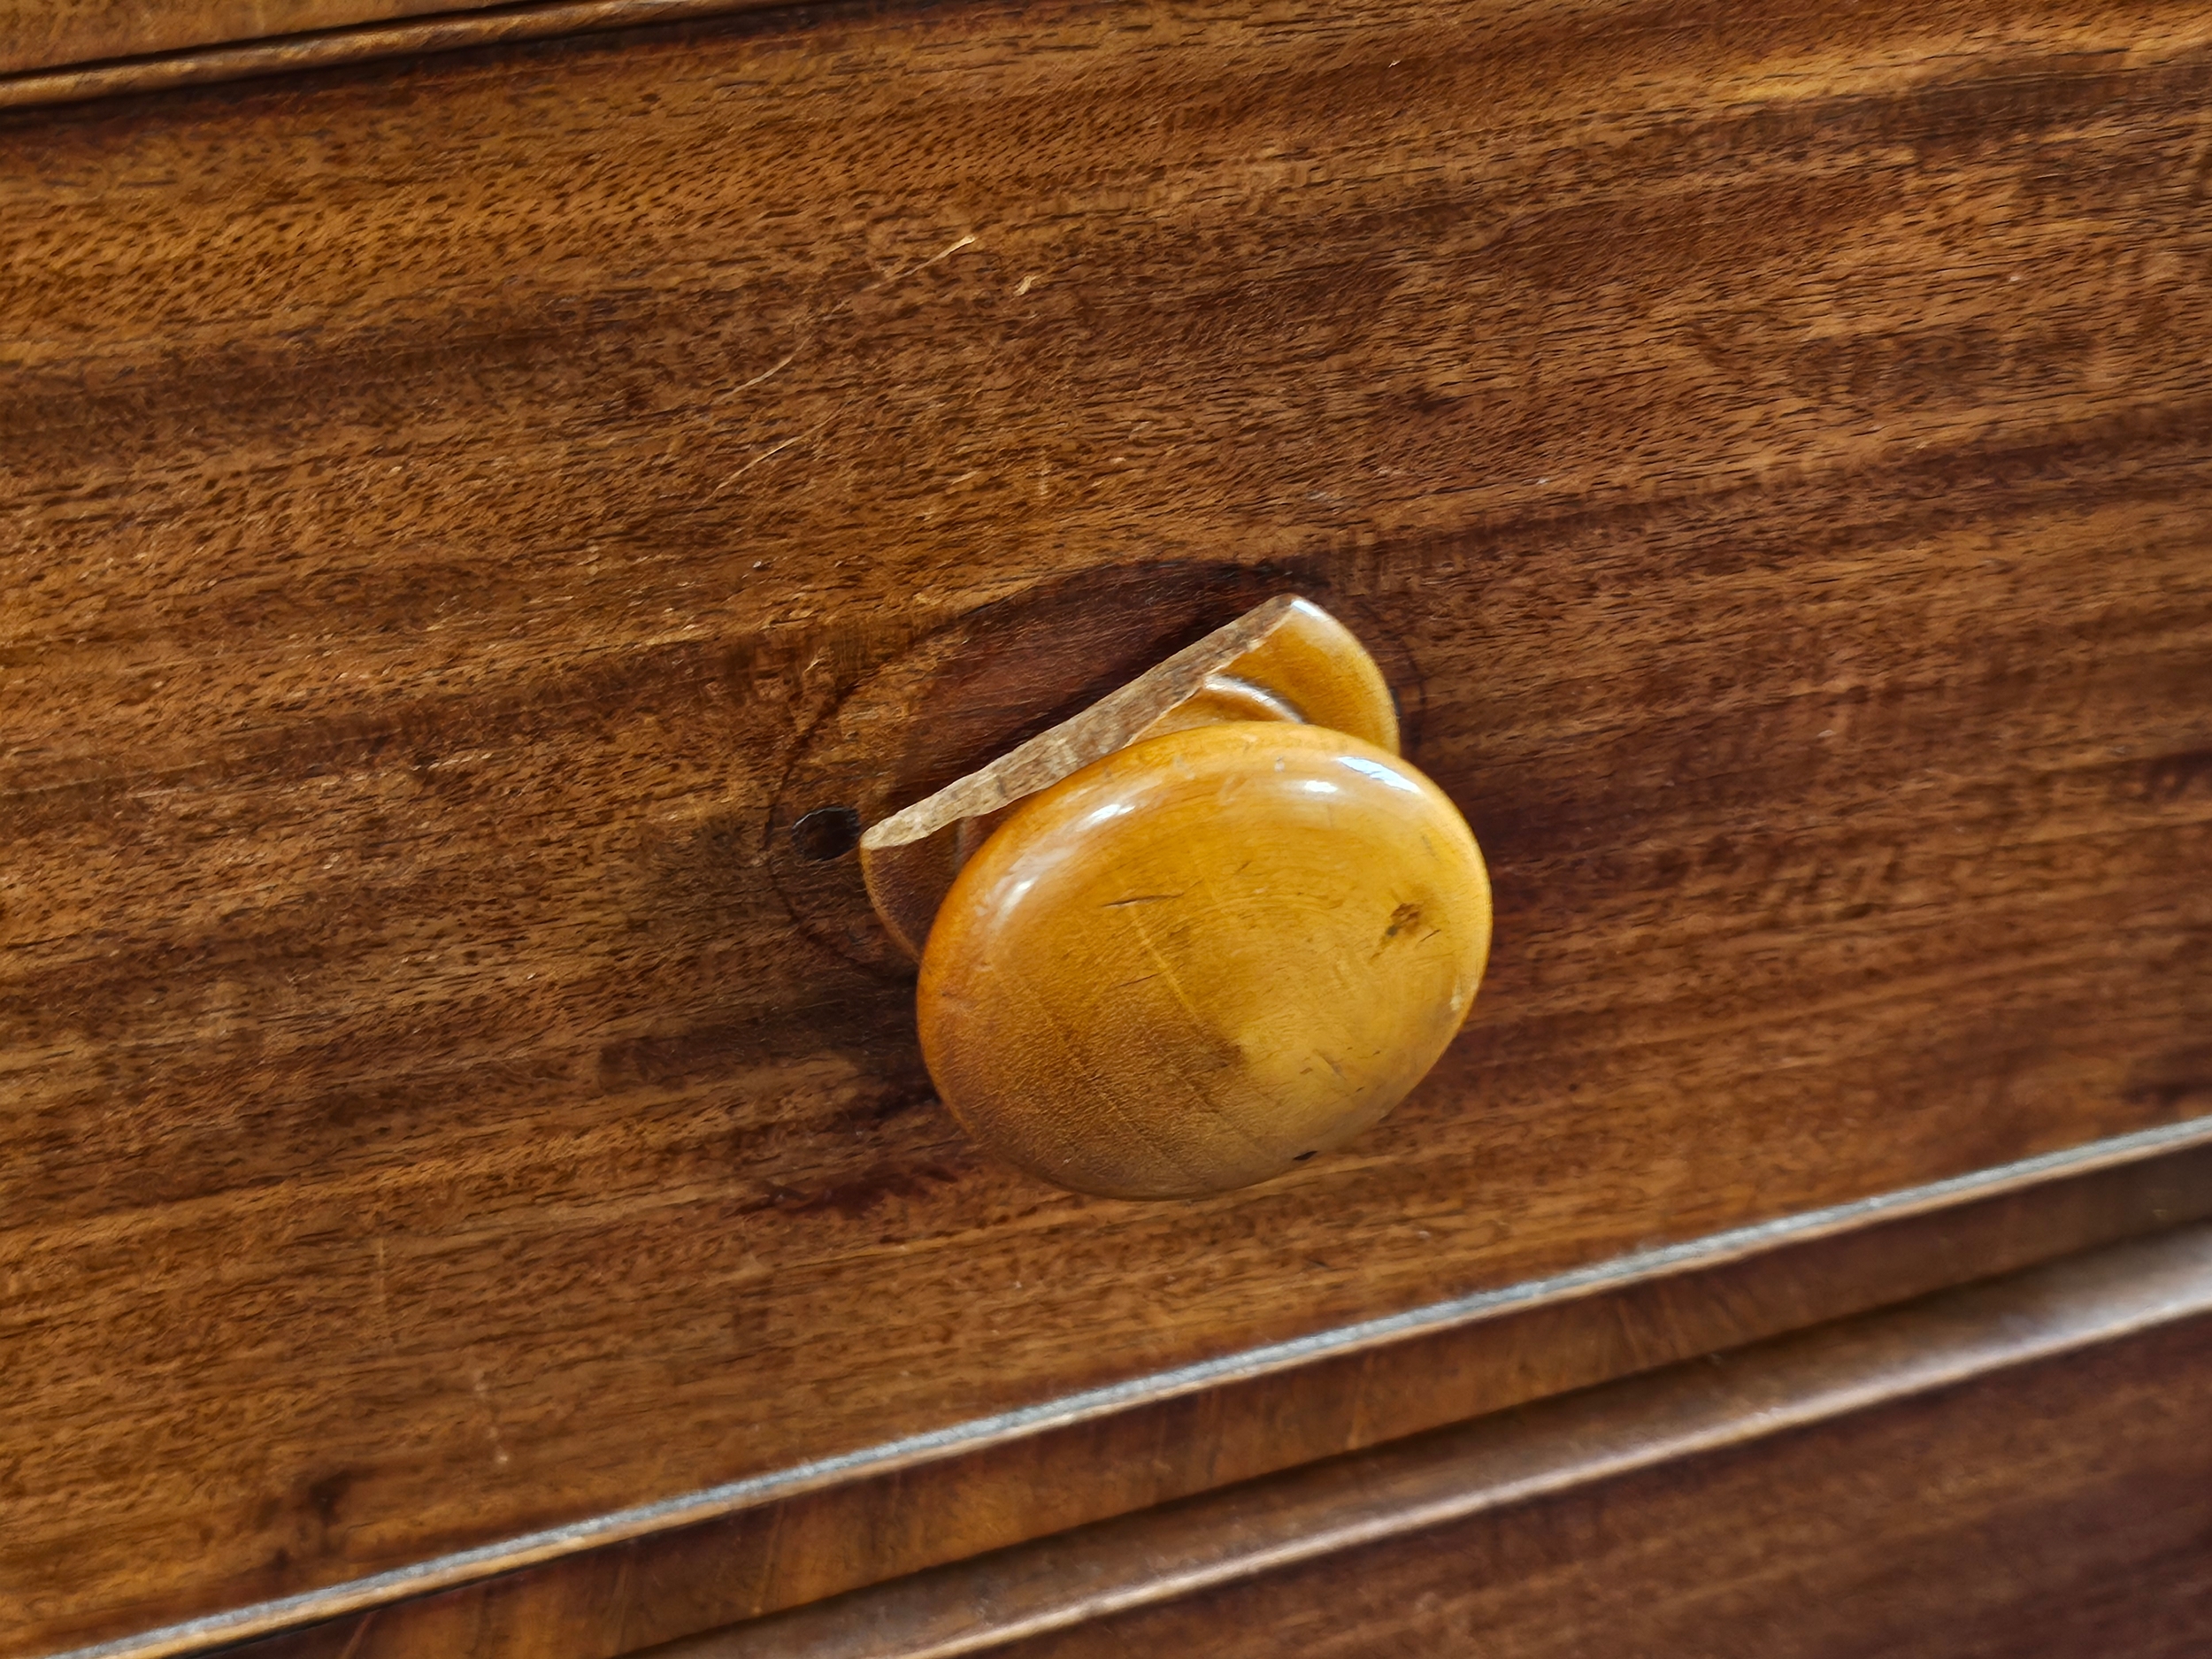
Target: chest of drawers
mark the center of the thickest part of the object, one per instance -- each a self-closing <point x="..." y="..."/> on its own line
<point x="469" y="484"/>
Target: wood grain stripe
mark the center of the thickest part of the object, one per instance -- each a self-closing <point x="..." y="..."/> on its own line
<point x="360" y="37"/>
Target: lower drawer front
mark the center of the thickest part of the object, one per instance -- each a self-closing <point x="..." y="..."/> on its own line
<point x="2062" y="1512"/>
<point x="2017" y="1468"/>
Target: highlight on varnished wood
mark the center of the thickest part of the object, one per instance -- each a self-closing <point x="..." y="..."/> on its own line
<point x="53" y="33"/>
<point x="78" y="50"/>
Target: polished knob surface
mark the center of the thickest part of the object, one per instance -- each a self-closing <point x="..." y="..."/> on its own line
<point x="1196" y="962"/>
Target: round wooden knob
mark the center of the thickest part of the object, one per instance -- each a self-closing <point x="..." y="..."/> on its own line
<point x="1203" y="959"/>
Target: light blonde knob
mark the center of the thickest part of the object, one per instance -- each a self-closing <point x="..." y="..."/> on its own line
<point x="1203" y="958"/>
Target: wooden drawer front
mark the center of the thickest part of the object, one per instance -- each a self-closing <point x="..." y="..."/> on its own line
<point x="442" y="500"/>
<point x="2058" y="1511"/>
<point x="2009" y="1470"/>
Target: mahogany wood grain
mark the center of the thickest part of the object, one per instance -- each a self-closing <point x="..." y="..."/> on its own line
<point x="439" y="498"/>
<point x="2011" y="1468"/>
<point x="1184" y="1436"/>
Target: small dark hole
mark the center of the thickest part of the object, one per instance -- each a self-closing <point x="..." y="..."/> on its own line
<point x="827" y="832"/>
<point x="1301" y="1157"/>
